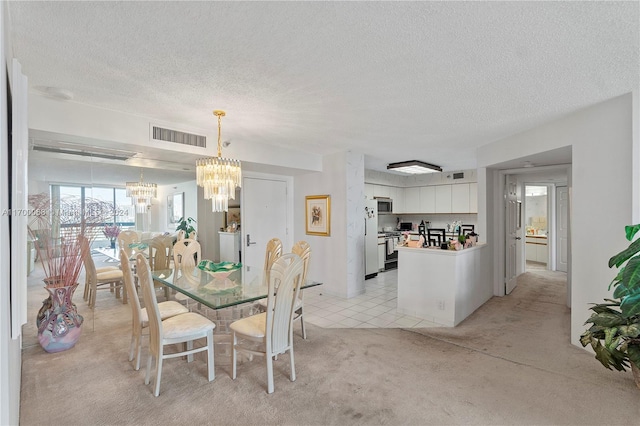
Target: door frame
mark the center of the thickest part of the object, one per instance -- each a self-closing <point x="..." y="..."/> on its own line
<point x="500" y="225"/>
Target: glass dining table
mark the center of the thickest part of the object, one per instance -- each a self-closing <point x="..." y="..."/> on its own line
<point x="218" y="290"/>
<point x="226" y="296"/>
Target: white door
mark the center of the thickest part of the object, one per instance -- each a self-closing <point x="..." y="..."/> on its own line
<point x="562" y="219"/>
<point x="511" y="232"/>
<point x="264" y="211"/>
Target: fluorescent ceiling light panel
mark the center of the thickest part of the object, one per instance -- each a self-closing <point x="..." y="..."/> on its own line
<point x="414" y="167"/>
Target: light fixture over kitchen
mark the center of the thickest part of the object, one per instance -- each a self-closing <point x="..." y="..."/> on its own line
<point x="141" y="193"/>
<point x="414" y="167"/>
<point x="219" y="176"/>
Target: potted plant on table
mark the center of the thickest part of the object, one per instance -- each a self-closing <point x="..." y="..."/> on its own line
<point x="614" y="333"/>
<point x="186" y="225"/>
<point x="64" y="230"/>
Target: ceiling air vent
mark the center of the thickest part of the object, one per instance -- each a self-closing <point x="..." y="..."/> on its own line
<point x="175" y="136"/>
<point x="458" y="175"/>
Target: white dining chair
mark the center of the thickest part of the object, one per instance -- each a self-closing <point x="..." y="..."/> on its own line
<point x="139" y="315"/>
<point x="272" y="330"/>
<point x="184" y="328"/>
<point x="302" y="249"/>
<point x="84" y="241"/>
<point x="186" y="252"/>
<point x="126" y="238"/>
<point x="98" y="280"/>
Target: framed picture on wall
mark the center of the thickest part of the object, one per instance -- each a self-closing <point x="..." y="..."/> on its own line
<point x="318" y="215"/>
<point x="233" y="215"/>
<point x="175" y="207"/>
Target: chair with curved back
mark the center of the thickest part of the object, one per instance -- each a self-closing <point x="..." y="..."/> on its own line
<point x="272" y="253"/>
<point x="139" y="315"/>
<point x="186" y="252"/>
<point x="126" y="238"/>
<point x="158" y="254"/>
<point x="96" y="280"/>
<point x="180" y="329"/>
<point x="436" y="236"/>
<point x="272" y="330"/>
<point x="302" y="249"/>
<point x="84" y="241"/>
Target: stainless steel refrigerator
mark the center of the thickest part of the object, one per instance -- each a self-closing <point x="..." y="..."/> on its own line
<point x="370" y="239"/>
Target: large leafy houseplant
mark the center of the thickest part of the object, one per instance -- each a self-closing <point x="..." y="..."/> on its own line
<point x="614" y="334"/>
<point x="186" y="225"/>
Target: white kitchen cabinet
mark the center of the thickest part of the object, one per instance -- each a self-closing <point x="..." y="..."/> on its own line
<point x="381" y="191"/>
<point x="427" y="199"/>
<point x="412" y="200"/>
<point x="368" y="191"/>
<point x="381" y="253"/>
<point x="460" y="198"/>
<point x="443" y="198"/>
<point x="398" y="201"/>
<point x="473" y="198"/>
<point x="536" y="248"/>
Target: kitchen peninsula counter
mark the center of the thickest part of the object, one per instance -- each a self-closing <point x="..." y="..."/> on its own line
<point x="443" y="286"/>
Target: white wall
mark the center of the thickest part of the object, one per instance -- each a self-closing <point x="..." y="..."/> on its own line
<point x="159" y="217"/>
<point x="338" y="260"/>
<point x="602" y="142"/>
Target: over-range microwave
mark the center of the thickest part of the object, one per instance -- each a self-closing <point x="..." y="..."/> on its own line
<point x="385" y="205"/>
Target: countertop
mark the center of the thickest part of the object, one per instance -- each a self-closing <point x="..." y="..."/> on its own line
<point x="439" y="251"/>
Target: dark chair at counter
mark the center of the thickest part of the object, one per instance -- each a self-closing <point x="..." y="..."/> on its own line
<point x="436" y="236"/>
<point x="466" y="229"/>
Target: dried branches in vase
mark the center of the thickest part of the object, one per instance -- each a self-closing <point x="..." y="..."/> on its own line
<point x="63" y="231"/>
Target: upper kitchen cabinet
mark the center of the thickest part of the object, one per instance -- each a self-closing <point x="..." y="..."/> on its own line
<point x="381" y="191"/>
<point x="427" y="199"/>
<point x="473" y="198"/>
<point x="368" y="191"/>
<point x="443" y="198"/>
<point x="412" y="200"/>
<point x="460" y="198"/>
<point x="397" y="195"/>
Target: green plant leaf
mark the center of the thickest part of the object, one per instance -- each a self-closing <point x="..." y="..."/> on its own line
<point x="602" y="307"/>
<point x="609" y="334"/>
<point x="586" y="338"/>
<point x="621" y="291"/>
<point x="631" y="275"/>
<point x="625" y="254"/>
<point x="632" y="330"/>
<point x="630" y="305"/>
<point x="633" y="352"/>
<point x="607" y="319"/>
<point x="609" y="357"/>
<point x="631" y="231"/>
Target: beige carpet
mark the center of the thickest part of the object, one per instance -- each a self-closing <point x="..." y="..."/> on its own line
<point x="508" y="363"/>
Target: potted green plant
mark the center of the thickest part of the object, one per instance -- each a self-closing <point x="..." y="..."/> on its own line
<point x="186" y="225"/>
<point x="614" y="333"/>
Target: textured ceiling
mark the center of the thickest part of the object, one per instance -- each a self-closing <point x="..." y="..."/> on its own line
<point x="394" y="80"/>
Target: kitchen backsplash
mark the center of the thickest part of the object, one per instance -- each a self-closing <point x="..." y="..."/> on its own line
<point x="439" y="220"/>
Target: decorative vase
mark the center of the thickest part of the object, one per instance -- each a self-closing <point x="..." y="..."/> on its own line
<point x="636" y="374"/>
<point x="113" y="243"/>
<point x="58" y="320"/>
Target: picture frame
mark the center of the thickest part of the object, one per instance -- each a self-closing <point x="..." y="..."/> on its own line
<point x="175" y="207"/>
<point x="233" y="215"/>
<point x="318" y="215"/>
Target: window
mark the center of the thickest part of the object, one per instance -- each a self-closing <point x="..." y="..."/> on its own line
<point x="124" y="213"/>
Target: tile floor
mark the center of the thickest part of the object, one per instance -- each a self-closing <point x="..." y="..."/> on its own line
<point x="375" y="308"/>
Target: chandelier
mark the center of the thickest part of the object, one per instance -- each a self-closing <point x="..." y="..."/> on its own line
<point x="141" y="193"/>
<point x="219" y="176"/>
